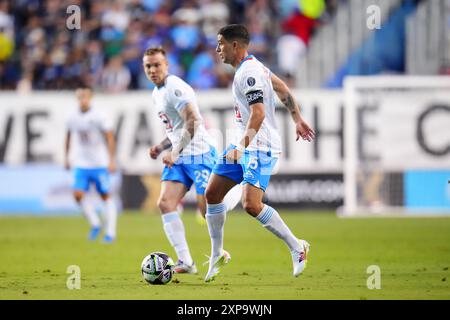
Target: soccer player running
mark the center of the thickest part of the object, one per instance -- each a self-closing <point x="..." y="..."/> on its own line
<point x="254" y="153"/>
<point x="91" y="134"/>
<point x="192" y="155"/>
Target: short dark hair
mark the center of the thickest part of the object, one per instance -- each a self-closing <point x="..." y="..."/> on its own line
<point x="154" y="50"/>
<point x="236" y="32"/>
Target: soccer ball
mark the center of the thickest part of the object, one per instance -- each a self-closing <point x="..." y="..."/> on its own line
<point x="157" y="268"/>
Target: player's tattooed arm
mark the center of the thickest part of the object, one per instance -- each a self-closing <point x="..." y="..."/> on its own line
<point x="192" y="120"/>
<point x="165" y="144"/>
<point x="302" y="129"/>
<point x="156" y="150"/>
<point x="286" y="97"/>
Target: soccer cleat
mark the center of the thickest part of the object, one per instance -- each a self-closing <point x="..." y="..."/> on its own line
<point x="181" y="267"/>
<point x="108" y="239"/>
<point x="299" y="258"/>
<point x="214" y="266"/>
<point x="93" y="234"/>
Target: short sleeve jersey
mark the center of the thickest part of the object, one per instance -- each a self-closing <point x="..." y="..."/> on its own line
<point x="252" y="83"/>
<point x="169" y="100"/>
<point x="87" y="138"/>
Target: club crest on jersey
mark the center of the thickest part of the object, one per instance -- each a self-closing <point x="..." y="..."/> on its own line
<point x="251" y="81"/>
<point x="178" y="93"/>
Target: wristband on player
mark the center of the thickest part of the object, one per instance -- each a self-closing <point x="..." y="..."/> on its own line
<point x="240" y="148"/>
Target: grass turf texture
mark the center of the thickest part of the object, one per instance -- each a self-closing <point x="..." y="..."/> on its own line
<point x="413" y="254"/>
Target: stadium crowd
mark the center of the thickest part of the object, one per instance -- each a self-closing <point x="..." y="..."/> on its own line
<point x="39" y="51"/>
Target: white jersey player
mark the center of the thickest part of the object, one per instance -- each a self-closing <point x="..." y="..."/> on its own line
<point x="252" y="82"/>
<point x="91" y="135"/>
<point x="169" y="99"/>
<point x="251" y="158"/>
<point x="191" y="158"/>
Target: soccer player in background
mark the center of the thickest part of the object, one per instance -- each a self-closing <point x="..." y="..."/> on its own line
<point x="252" y="156"/>
<point x="192" y="153"/>
<point x="91" y="134"/>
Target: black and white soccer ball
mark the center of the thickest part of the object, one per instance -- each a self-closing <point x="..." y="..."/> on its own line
<point x="157" y="268"/>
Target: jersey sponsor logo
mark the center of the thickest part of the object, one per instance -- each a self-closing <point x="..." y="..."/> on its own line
<point x="237" y="113"/>
<point x="254" y="96"/>
<point x="251" y="81"/>
<point x="165" y="119"/>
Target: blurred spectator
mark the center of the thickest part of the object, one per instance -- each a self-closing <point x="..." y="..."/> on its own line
<point x="116" y="16"/>
<point x="132" y="52"/>
<point x="215" y="15"/>
<point x="94" y="62"/>
<point x="262" y="28"/>
<point x="35" y="42"/>
<point x="115" y="77"/>
<point x="6" y="20"/>
<point x="185" y="32"/>
<point x="292" y="45"/>
<point x="112" y="39"/>
<point x="258" y="14"/>
<point x="37" y="50"/>
<point x="74" y="69"/>
<point x="201" y="73"/>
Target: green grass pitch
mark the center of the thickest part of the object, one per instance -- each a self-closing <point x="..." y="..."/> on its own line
<point x="413" y="255"/>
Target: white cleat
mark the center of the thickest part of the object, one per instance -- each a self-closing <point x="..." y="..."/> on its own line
<point x="300" y="258"/>
<point x="214" y="266"/>
<point x="181" y="267"/>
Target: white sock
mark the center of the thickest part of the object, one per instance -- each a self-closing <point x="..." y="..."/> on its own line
<point x="174" y="228"/>
<point x="215" y="217"/>
<point x="89" y="212"/>
<point x="271" y="220"/>
<point x="233" y="197"/>
<point x="110" y="214"/>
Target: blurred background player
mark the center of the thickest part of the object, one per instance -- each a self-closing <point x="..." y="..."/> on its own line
<point x="192" y="155"/>
<point x="91" y="134"/>
<point x="252" y="156"/>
